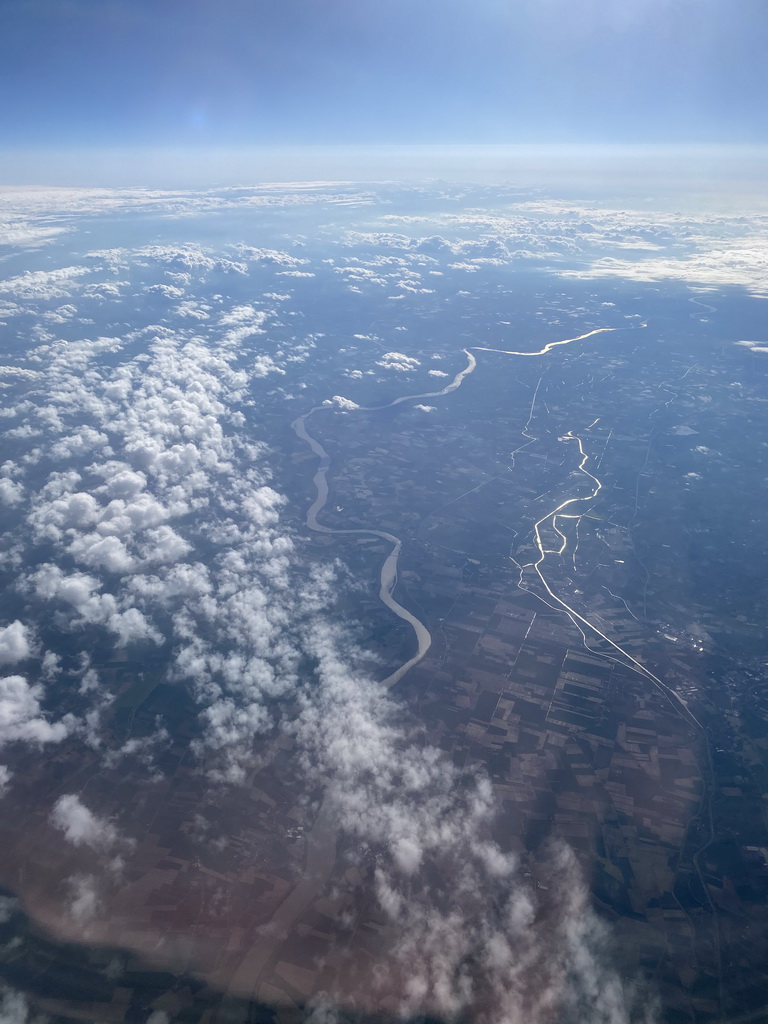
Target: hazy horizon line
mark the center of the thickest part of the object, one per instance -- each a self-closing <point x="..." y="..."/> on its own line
<point x="196" y="166"/>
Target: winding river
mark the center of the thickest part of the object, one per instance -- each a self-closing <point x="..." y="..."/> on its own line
<point x="322" y="838"/>
<point x="388" y="578"/>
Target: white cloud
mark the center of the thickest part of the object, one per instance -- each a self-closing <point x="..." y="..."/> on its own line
<point x="15" y="643"/>
<point x="275" y="257"/>
<point x="339" y="402"/>
<point x="744" y="264"/>
<point x="264" y="365"/>
<point x="398" y="361"/>
<point x="99" y="552"/>
<point x="163" y="545"/>
<point x="69" y="512"/>
<point x="82" y="827"/>
<point x="15" y="1008"/>
<point x="76" y="589"/>
<point x="45" y="284"/>
<point x="131" y="626"/>
<point x="469" y="934"/>
<point x="84" y="441"/>
<point x="11" y="491"/>
<point x="193" y="310"/>
<point x="168" y="291"/>
<point x="121" y="481"/>
<point x="243" y="322"/>
<point x="19" y="232"/>
<point x="84" y="899"/>
<point x="21" y="716"/>
<point x="121" y="518"/>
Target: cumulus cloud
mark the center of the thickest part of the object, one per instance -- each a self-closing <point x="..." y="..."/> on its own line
<point x="21" y="716"/>
<point x="120" y="480"/>
<point x="11" y="491"/>
<point x="754" y="346"/>
<point x="15" y="644"/>
<point x="179" y="258"/>
<point x="398" y="361"/>
<point x="108" y="553"/>
<point x="45" y="284"/>
<point x="264" y="365"/>
<point x="173" y="474"/>
<point x="470" y="935"/>
<point x="15" y="1008"/>
<point x="82" y="827"/>
<point x="84" y="899"/>
<point x="132" y="626"/>
<point x="344" y="404"/>
<point x="743" y="264"/>
<point x="69" y="512"/>
<point x="275" y="257"/>
<point x="242" y="322"/>
<point x="76" y="589"/>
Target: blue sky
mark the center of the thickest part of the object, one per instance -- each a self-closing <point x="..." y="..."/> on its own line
<point x="275" y="72"/>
